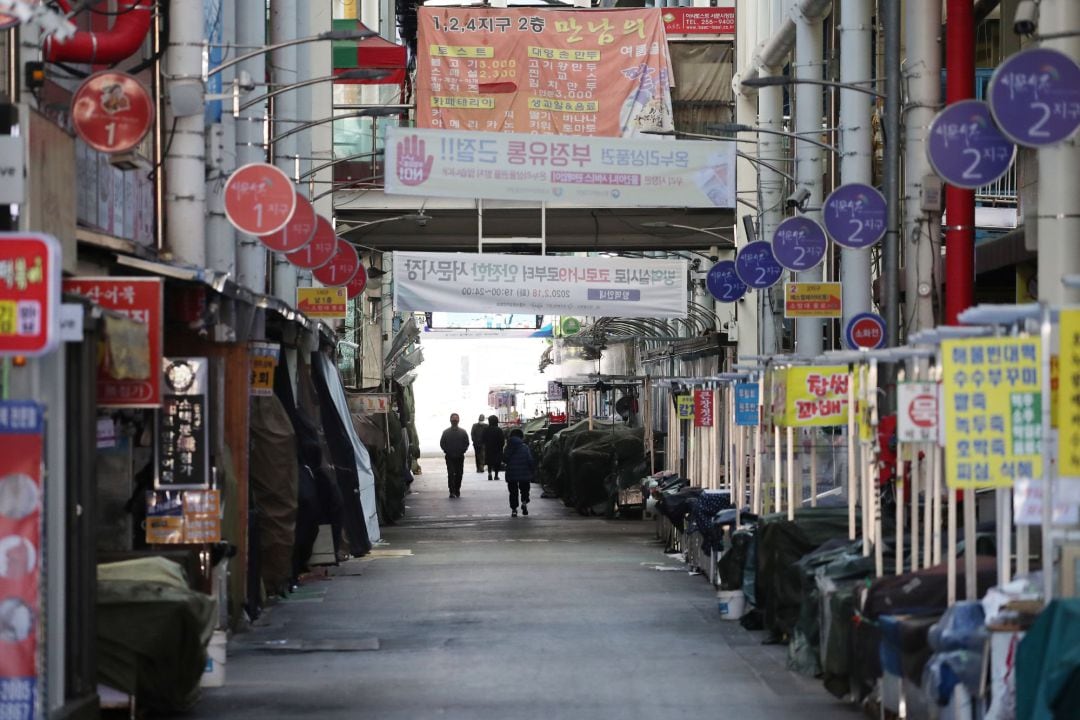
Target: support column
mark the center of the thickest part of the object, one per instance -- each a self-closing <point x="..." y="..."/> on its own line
<point x="250" y="146"/>
<point x="306" y="111"/>
<point x="751" y="25"/>
<point x="283" y="71"/>
<point x="220" y="235"/>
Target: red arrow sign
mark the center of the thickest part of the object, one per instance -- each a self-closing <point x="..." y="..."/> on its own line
<point x="259" y="199"/>
<point x="342" y="267"/>
<point x="320" y="250"/>
<point x="357" y="284"/>
<point x="112" y="112"/>
<point x="297" y="233"/>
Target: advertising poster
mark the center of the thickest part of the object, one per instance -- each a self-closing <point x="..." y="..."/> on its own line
<point x="746" y="404"/>
<point x="815" y="396"/>
<point x="29" y="293"/>
<point x="183" y="447"/>
<point x="551" y="72"/>
<point x="264" y="358"/>
<point x="703" y="407"/>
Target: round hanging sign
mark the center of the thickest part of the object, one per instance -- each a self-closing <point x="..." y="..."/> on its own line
<point x="341" y="268"/>
<point x="297" y="233"/>
<point x="259" y="199"/>
<point x="112" y="112"/>
<point x="799" y="244"/>
<point x="855" y="215"/>
<point x="320" y="250"/>
<point x="757" y="267"/>
<point x="965" y="147"/>
<point x="1035" y="97"/>
<point x="724" y="283"/>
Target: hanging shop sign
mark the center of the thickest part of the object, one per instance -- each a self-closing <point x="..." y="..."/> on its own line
<point x="264" y="360"/>
<point x="130" y="374"/>
<point x="865" y="331"/>
<point x="341" y="268"/>
<point x="259" y="199"/>
<point x="369" y="403"/>
<point x="184" y="517"/>
<point x="757" y="267"/>
<point x="603" y="73"/>
<point x="917" y="412"/>
<point x="556" y="390"/>
<point x="813" y="300"/>
<point x="703" y="407"/>
<point x="575" y="170"/>
<point x="684" y="406"/>
<point x="320" y="250"/>
<point x="1068" y="395"/>
<point x="1035" y="97"/>
<point x="112" y="112"/>
<point x="570" y="326"/>
<point x="992" y="402"/>
<point x="21" y="549"/>
<point x="699" y="21"/>
<point x="799" y="244"/>
<point x="326" y="303"/>
<point x="297" y="233"/>
<point x="965" y="147"/>
<point x="357" y="284"/>
<point x="813" y="396"/>
<point x="555" y="285"/>
<point x="30" y="276"/>
<point x="183" y="441"/>
<point x="724" y="283"/>
<point x="854" y="215"/>
<point x="746" y="403"/>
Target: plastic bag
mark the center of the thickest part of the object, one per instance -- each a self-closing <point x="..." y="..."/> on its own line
<point x="962" y="627"/>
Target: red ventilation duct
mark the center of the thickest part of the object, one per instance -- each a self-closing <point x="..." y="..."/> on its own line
<point x="105" y="48"/>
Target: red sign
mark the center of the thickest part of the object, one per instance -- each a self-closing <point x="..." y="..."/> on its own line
<point x="320" y="250"/>
<point x="259" y="199"/>
<point x="29" y="293"/>
<point x="357" y="284"/>
<point x="866" y="331"/>
<point x="21" y="494"/>
<point x="112" y="111"/>
<point x="923" y="411"/>
<point x="699" y="21"/>
<point x="342" y="267"/>
<point x="703" y="408"/>
<point x="139" y="299"/>
<point x="297" y="233"/>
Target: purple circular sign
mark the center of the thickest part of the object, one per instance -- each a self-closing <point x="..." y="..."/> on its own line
<point x="724" y="282"/>
<point x="799" y="243"/>
<point x="966" y="148"/>
<point x="855" y="215"/>
<point x="1035" y="97"/>
<point x="757" y="267"/>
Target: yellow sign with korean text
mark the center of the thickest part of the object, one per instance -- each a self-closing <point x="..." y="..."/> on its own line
<point x="815" y="396"/>
<point x="813" y="300"/>
<point x="328" y="303"/>
<point x="264" y="357"/>
<point x="685" y="406"/>
<point x="1068" y="406"/>
<point x="992" y="402"/>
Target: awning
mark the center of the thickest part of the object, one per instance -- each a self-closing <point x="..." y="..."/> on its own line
<point x="373" y="52"/>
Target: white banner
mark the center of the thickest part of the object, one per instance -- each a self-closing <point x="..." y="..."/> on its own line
<point x="917" y="416"/>
<point x="600" y="286"/>
<point x="591" y="171"/>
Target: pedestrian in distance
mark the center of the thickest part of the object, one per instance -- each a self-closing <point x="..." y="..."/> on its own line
<point x="494" y="440"/>
<point x="454" y="443"/>
<point x="520" y="468"/>
<point x="477" y="434"/>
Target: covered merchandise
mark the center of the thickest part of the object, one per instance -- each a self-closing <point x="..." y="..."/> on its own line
<point x="386" y="441"/>
<point x="274" y="490"/>
<point x="587" y="467"/>
<point x="1048" y="664"/>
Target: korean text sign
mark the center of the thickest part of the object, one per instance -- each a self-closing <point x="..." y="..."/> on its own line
<point x="746" y="404"/>
<point x="21" y="445"/>
<point x="562" y="72"/>
<point x="549" y="285"/>
<point x="703" y="407"/>
<point x="183" y="447"/>
<point x="322" y="302"/>
<point x="917" y="411"/>
<point x="1068" y="405"/>
<point x="264" y="358"/>
<point x="992" y="405"/>
<point x="684" y="406"/>
<point x="141" y="300"/>
<point x="815" y="396"/>
<point x="29" y="293"/>
<point x="565" y="170"/>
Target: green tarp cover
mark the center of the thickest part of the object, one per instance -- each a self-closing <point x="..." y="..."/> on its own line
<point x="1048" y="665"/>
<point x="274" y="476"/>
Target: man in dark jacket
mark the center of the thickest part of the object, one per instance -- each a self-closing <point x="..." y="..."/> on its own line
<point x="477" y="435"/>
<point x="454" y="443"/>
<point x="519" y="471"/>
<point x="493" y="447"/>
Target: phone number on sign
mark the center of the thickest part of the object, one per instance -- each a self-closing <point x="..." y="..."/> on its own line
<point x="514" y="292"/>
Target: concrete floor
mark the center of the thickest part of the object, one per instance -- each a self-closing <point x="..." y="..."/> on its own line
<point x="480" y="615"/>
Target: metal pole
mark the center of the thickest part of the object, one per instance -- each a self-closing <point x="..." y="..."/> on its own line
<point x="250" y="126"/>
<point x="960" y="204"/>
<point x="221" y="236"/>
<point x="899" y="485"/>
<point x="891" y="250"/>
<point x="777" y="471"/>
<point x="305" y="107"/>
<point x="284" y="64"/>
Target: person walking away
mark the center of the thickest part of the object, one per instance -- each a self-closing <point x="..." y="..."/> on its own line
<point x="477" y="434"/>
<point x="520" y="468"/>
<point x="494" y="440"/>
<point x="454" y="443"/>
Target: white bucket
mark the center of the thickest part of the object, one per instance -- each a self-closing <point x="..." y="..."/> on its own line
<point x="731" y="604"/>
<point x="214" y="674"/>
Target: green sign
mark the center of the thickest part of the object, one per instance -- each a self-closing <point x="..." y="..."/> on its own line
<point x="570" y="326"/>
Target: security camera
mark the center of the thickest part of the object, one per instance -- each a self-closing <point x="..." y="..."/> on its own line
<point x="798" y="198"/>
<point x="422" y="220"/>
<point x="1026" y="18"/>
<point x="244" y="81"/>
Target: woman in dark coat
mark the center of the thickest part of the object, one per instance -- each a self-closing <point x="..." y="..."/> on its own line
<point x="493" y="447"/>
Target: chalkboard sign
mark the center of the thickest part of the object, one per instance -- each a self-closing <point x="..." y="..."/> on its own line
<point x="182" y="439"/>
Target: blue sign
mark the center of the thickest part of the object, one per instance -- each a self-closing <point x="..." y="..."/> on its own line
<point x="724" y="282"/>
<point x="799" y="243"/>
<point x="757" y="266"/>
<point x="1035" y="97"/>
<point x="855" y="215"/>
<point x="865" y="331"/>
<point x="966" y="148"/>
<point x="746" y="404"/>
<point x="19" y="417"/>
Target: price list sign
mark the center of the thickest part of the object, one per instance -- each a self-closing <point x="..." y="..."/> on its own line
<point x="992" y="411"/>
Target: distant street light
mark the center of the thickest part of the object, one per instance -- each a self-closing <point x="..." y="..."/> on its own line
<point x="785" y="80"/>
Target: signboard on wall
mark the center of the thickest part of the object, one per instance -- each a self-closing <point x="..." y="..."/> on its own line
<point x="29" y="293"/>
<point x="596" y="171"/>
<point x="322" y="302"/>
<point x="813" y="300"/>
<point x="561" y="72"/>
<point x="183" y="440"/>
<point x="264" y="359"/>
<point x="699" y="21"/>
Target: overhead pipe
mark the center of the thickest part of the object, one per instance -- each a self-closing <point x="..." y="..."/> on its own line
<point x="120" y="42"/>
<point x="283" y="63"/>
<point x="774" y="51"/>
<point x="250" y="126"/>
<point x="959" y="203"/>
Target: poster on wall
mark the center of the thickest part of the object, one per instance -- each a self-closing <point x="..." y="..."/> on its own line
<point x="552" y="72"/>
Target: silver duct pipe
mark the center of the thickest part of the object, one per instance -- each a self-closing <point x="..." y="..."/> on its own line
<point x="283" y="64"/>
<point x="251" y="135"/>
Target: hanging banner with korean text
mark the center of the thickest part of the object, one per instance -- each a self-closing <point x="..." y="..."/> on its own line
<point x="684" y="407"/>
<point x="21" y="500"/>
<point x="992" y="401"/>
<point x="917" y="411"/>
<point x="746" y="403"/>
<point x="187" y="517"/>
<point x="813" y="300"/>
<point x="549" y="285"/>
<point x="565" y="170"/>
<point x="1068" y="394"/>
<point x="264" y="358"/>
<point x="183" y="441"/>
<point x="815" y="396"/>
<point x="526" y="70"/>
<point x="703" y="408"/>
<point x="129" y="374"/>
